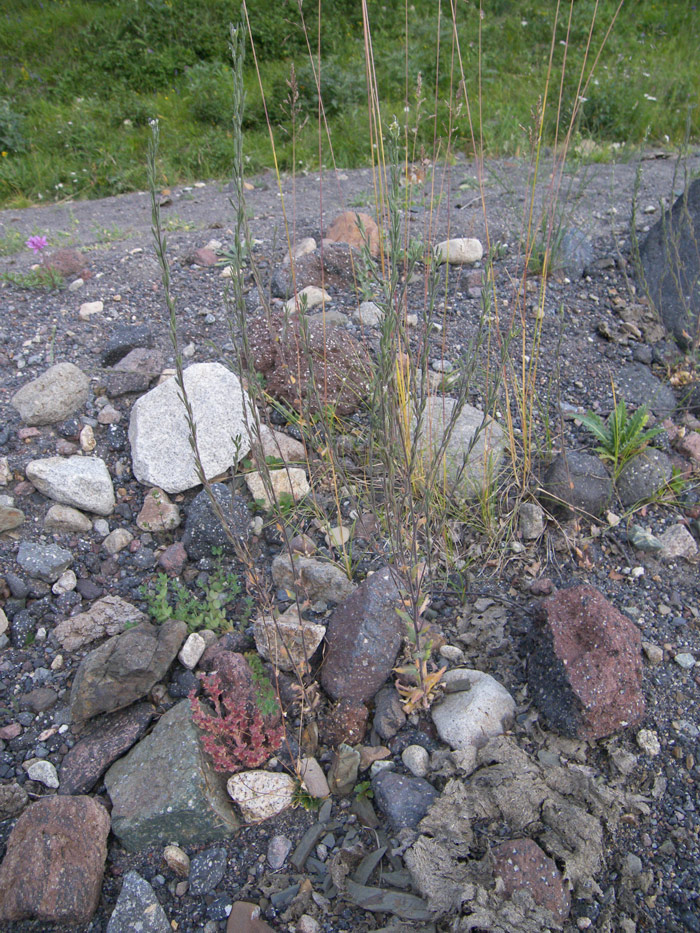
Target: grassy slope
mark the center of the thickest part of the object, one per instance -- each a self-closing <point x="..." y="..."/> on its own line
<point x="82" y="80"/>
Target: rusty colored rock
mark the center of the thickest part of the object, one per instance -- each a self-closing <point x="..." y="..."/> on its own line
<point x="346" y="723"/>
<point x="53" y="867"/>
<point x="327" y="366"/>
<point x="585" y="671"/>
<point x="345" y="229"/>
<point x="522" y="865"/>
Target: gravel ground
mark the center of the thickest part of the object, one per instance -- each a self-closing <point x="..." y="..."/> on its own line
<point x="652" y="877"/>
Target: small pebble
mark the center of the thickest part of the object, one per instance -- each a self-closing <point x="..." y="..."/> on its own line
<point x="685" y="660"/>
<point x="648" y="741"/>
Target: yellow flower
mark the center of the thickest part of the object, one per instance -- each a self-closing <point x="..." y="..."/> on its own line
<point x="4" y="154"/>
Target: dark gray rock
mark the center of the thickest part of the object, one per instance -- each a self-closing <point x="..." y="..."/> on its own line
<point x="638" y="386"/>
<point x="574" y="254"/>
<point x="137" y="908"/>
<point x="643" y="476"/>
<point x="204" y="531"/>
<point x="124" y="339"/>
<point x="389" y="716"/>
<point x="110" y="737"/>
<point x="21" y="628"/>
<point x="124" y="668"/>
<point x="166" y="788"/>
<point x="45" y="561"/>
<point x="576" y="481"/>
<point x="670" y="266"/>
<point x="206" y="870"/>
<point x="404" y="800"/>
<point x="363" y="639"/>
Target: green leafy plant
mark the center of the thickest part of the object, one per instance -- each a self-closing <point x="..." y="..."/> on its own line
<point x="622" y="436"/>
<point x="41" y="277"/>
<point x="363" y="790"/>
<point x="302" y="798"/>
<point x="171" y="599"/>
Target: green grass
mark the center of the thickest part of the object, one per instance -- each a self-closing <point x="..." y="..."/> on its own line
<point x="82" y="79"/>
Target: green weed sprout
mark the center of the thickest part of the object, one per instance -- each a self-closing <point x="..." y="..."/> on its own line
<point x="622" y="436"/>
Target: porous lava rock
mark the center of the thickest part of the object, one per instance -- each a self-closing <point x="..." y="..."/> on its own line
<point x="322" y="366"/>
<point x="521" y="864"/>
<point x="363" y="639"/>
<point x="585" y="668"/>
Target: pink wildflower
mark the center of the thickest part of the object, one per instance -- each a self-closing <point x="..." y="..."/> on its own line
<point x="37" y="243"/>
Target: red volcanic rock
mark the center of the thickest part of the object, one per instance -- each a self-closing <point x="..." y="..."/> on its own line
<point x="585" y="671"/>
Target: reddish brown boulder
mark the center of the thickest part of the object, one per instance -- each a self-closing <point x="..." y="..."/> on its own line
<point x="53" y="867"/>
<point x="345" y="229"/>
<point x="346" y="723"/>
<point x="521" y="864"/>
<point x="67" y="262"/>
<point x="326" y="366"/>
<point x="245" y="918"/>
<point x="334" y="266"/>
<point x="363" y="639"/>
<point x="585" y="669"/>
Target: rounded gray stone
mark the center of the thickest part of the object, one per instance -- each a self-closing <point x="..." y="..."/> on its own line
<point x="53" y="396"/>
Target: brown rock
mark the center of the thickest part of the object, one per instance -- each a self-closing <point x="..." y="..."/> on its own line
<point x="331" y="369"/>
<point x="39" y="700"/>
<point x="363" y="639"/>
<point x="245" y="918"/>
<point x="346" y="230"/>
<point x="124" y="668"/>
<point x="158" y="513"/>
<point x="689" y="446"/>
<point x="585" y="671"/>
<point x="346" y="723"/>
<point x="204" y="257"/>
<point x="335" y="266"/>
<point x="522" y="865"/>
<point x="13" y="799"/>
<point x="67" y="262"/>
<point x="173" y="559"/>
<point x="112" y="736"/>
<point x="52" y="870"/>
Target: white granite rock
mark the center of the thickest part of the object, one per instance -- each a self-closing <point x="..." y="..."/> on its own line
<point x="290" y="481"/>
<point x="288" y="641"/>
<point x="281" y="445"/>
<point x="66" y="583"/>
<point x="470" y="466"/>
<point x="43" y="772"/>
<point x="88" y="308"/>
<point x="261" y="794"/>
<point x="192" y="650"/>
<point x="311" y="296"/>
<point x="159" y="435"/>
<point x="64" y="518"/>
<point x="459" y="251"/>
<point x="83" y="482"/>
<point x="368" y="314"/>
<point x="475" y="708"/>
<point x="177" y="860"/>
<point x="107" y="616"/>
<point x="53" y="396"/>
<point x="677" y="541"/>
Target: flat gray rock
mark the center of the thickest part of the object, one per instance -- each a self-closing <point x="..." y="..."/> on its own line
<point x="44" y="561"/>
<point x="83" y="482"/>
<point x="137" y="908"/>
<point x="54" y="396"/>
<point x="160" y="437"/>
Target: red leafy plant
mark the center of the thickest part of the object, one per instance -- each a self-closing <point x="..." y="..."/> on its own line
<point x="237" y="734"/>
